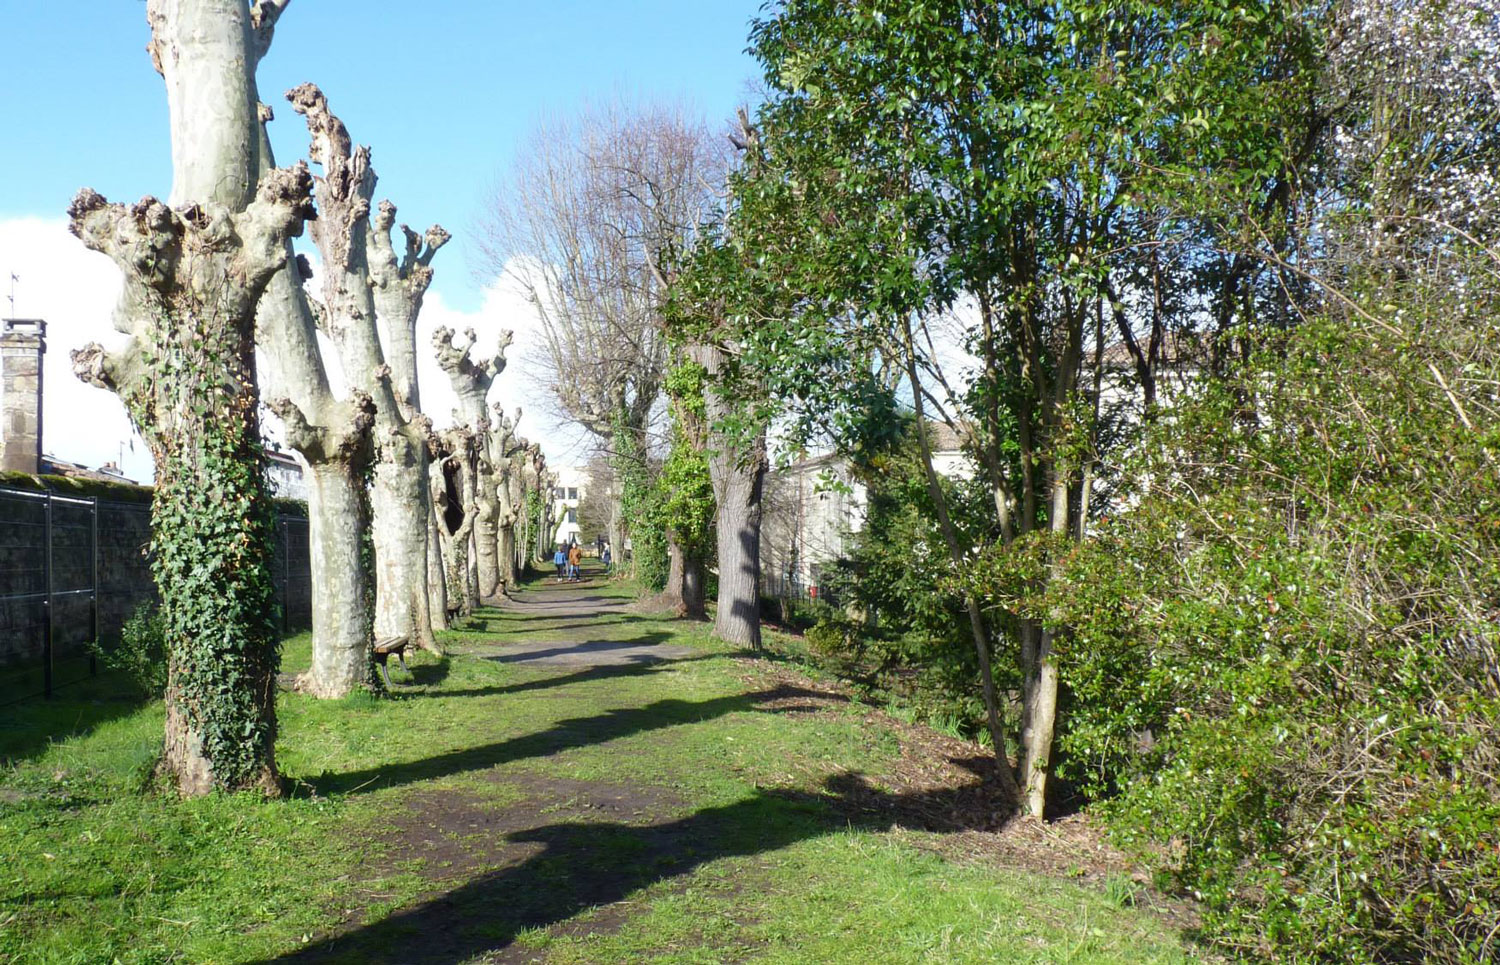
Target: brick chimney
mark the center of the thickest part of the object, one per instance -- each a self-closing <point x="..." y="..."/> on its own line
<point x="22" y="342"/>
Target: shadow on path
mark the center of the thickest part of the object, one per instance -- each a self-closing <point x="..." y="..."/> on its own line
<point x="638" y="666"/>
<point x="557" y="870"/>
<point x="586" y="652"/>
<point x="564" y="735"/>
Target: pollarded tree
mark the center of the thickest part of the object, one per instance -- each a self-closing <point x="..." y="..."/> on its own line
<point x="508" y="456"/>
<point x="453" y="476"/>
<point x="471" y="380"/>
<point x="193" y="275"/>
<point x="399" y="493"/>
<point x="400" y="283"/>
<point x="333" y="437"/>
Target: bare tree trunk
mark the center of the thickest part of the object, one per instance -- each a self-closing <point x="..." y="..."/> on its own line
<point x="437" y="582"/>
<point x="453" y="500"/>
<point x="671" y="595"/>
<point x="511" y="541"/>
<point x="399" y="492"/>
<point x="487" y="533"/>
<point x="192" y="277"/>
<point x="977" y="626"/>
<point x="471" y="381"/>
<point x="739" y="478"/>
<point x="1041" y="696"/>
<point x="399" y="501"/>
<point x="472" y="598"/>
<point x="685" y="588"/>
<point x="332" y="437"/>
<point x="1040" y="665"/>
<point x="341" y="664"/>
<point x="616" y="528"/>
<point x="399" y="286"/>
<point x="738" y="473"/>
<point x="187" y="376"/>
<point x="691" y="584"/>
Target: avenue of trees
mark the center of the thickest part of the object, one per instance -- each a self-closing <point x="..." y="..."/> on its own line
<point x="406" y="525"/>
<point x="1207" y="289"/>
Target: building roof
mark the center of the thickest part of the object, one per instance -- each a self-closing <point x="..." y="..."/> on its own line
<point x="109" y="472"/>
<point x="1176" y="348"/>
<point x="283" y="459"/>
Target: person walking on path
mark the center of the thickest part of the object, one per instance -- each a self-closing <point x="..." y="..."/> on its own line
<point x="560" y="560"/>
<point x="605" y="556"/>
<point x="575" y="557"/>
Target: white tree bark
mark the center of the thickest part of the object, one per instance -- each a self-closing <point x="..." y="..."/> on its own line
<point x="452" y="479"/>
<point x="471" y="380"/>
<point x="399" y="494"/>
<point x="193" y="274"/>
<point x="507" y="455"/>
<point x="399" y="287"/>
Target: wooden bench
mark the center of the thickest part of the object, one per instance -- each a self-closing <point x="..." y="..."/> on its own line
<point x="385" y="648"/>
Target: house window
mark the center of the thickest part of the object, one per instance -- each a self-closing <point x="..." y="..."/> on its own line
<point x="557" y="492"/>
<point x="572" y="515"/>
<point x="572" y="492"/>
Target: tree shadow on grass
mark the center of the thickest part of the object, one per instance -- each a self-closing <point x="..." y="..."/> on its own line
<point x="564" y="735"/>
<point x="561" y="869"/>
<point x="581" y="649"/>
<point x="639" y="665"/>
<point x="427" y="674"/>
<point x="29" y="726"/>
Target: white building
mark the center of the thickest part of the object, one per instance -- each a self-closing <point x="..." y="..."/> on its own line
<point x="284" y="476"/>
<point x="567" y="493"/>
<point x="815" y="506"/>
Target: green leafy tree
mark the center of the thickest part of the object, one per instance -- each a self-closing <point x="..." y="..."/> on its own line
<point x="1017" y="160"/>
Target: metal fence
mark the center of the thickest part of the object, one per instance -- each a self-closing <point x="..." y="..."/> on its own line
<point x="72" y="570"/>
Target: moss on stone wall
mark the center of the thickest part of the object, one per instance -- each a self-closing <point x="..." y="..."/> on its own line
<point x="115" y="491"/>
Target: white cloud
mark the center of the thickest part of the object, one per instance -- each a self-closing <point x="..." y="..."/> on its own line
<point x="503" y="307"/>
<point x="74" y="290"/>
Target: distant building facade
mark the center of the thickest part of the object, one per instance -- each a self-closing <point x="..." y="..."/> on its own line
<point x="567" y="493"/>
<point x="284" y="476"/>
<point x="815" y="507"/>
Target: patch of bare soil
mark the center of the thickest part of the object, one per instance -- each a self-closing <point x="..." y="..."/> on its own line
<point x="457" y="834"/>
<point x="568" y="847"/>
<point x="946" y="785"/>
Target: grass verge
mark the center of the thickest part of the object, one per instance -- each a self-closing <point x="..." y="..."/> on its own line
<point x="648" y="796"/>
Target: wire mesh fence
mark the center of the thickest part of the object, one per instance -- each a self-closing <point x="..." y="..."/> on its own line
<point x="73" y="570"/>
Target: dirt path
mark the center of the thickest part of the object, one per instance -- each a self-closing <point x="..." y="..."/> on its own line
<point x="629" y="766"/>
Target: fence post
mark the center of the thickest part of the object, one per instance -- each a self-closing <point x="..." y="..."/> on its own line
<point x="47" y="601"/>
<point x="94" y="585"/>
<point x="286" y="574"/>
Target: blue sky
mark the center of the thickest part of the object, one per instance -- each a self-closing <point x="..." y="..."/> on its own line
<point x="442" y="91"/>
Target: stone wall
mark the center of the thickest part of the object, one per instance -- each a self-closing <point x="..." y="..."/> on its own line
<point x="22" y="343"/>
<point x="124" y="568"/>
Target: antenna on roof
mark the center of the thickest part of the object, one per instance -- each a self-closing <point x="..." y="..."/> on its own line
<point x="13" y="279"/>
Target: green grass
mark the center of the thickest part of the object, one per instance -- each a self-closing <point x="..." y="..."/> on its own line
<point x="672" y="812"/>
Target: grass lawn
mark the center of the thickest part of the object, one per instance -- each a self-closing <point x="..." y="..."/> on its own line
<point x="527" y="799"/>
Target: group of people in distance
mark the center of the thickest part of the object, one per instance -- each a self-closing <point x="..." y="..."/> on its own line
<point x="569" y="557"/>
